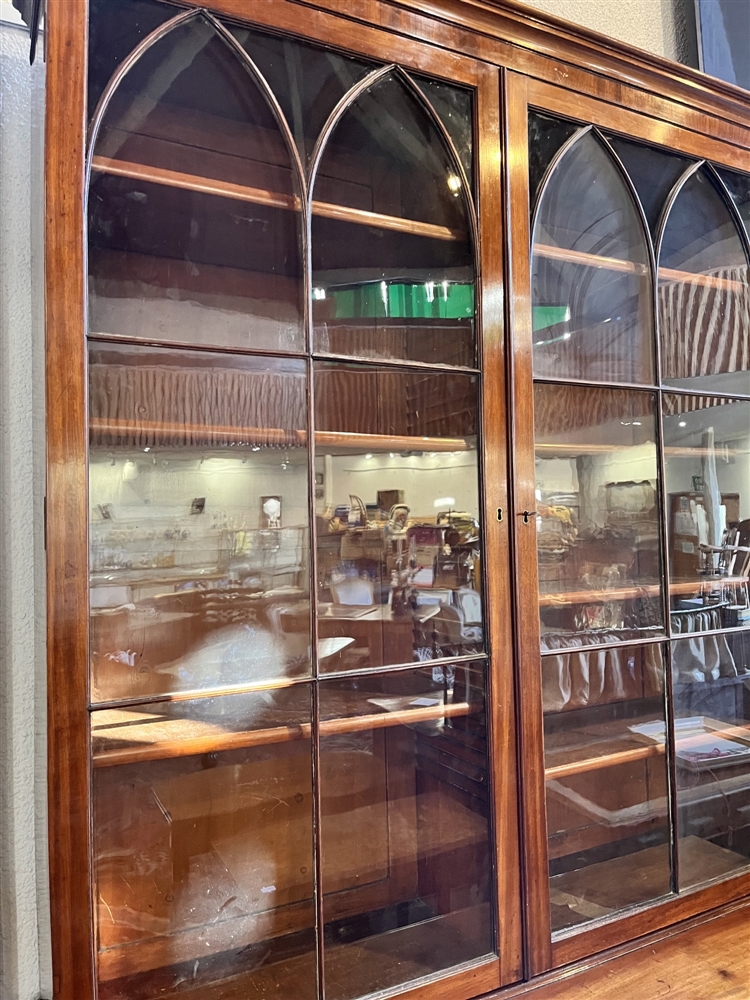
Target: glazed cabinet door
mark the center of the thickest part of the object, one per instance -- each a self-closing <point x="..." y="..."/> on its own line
<point x="634" y="421"/>
<point x="289" y="688"/>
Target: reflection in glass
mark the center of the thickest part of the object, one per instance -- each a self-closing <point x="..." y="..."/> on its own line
<point x="198" y="533"/>
<point x="606" y="773"/>
<point x="711" y="682"/>
<point x="307" y="80"/>
<point x="598" y="522"/>
<point x="453" y="105"/>
<point x="591" y="280"/>
<point x="393" y="259"/>
<point x="707" y="463"/>
<point x="739" y="188"/>
<point x="204" y="858"/>
<point x="704" y="299"/>
<point x="194" y="220"/>
<point x="115" y="28"/>
<point x="404" y="758"/>
<point x="654" y="172"/>
<point x="397" y="508"/>
<point x="546" y="137"/>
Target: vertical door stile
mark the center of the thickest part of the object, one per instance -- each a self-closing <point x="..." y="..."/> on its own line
<point x="521" y="412"/>
<point x="67" y="558"/>
<point x="498" y="585"/>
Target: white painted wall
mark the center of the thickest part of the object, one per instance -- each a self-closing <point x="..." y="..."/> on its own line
<point x="665" y="27"/>
<point x="661" y="26"/>
<point x="25" y="968"/>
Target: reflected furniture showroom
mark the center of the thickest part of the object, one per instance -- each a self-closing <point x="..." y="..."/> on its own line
<point x="398" y="512"/>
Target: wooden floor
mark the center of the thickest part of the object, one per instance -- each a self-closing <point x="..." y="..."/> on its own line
<point x="710" y="961"/>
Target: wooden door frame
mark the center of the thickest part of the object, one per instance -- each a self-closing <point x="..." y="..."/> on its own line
<point x="542" y="952"/>
<point x="70" y="799"/>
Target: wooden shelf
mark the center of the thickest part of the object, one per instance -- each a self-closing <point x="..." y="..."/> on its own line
<point x="630" y="593"/>
<point x="260" y="196"/>
<point x="605" y="760"/>
<point x="574" y="450"/>
<point x="666" y="274"/>
<point x="620" y="753"/>
<point x="158" y="740"/>
<point x="154" y="429"/>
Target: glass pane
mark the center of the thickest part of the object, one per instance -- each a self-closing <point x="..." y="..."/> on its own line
<point x="598" y="519"/>
<point x="654" y="172"/>
<point x="194" y="221"/>
<point x="606" y="773"/>
<point x="115" y="28"/>
<point x="591" y="280"/>
<point x="307" y="80"/>
<point x="404" y="802"/>
<point x="739" y="188"/>
<point x="707" y="463"/>
<point x="712" y="723"/>
<point x="203" y="826"/>
<point x="392" y="253"/>
<point x="453" y="105"/>
<point x="703" y="293"/>
<point x="546" y="137"/>
<point x="397" y="510"/>
<point x="199" y="514"/>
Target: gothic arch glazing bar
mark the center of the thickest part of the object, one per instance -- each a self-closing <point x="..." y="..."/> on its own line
<point x="405" y="289"/>
<point x="196" y="199"/>
<point x="592" y="270"/>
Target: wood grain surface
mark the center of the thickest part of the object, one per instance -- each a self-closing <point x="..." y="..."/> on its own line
<point x="67" y="555"/>
<point x="710" y="961"/>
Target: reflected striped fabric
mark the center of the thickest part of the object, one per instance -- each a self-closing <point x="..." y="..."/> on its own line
<point x="705" y="329"/>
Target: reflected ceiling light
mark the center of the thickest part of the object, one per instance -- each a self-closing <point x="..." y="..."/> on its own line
<point x="319" y="293"/>
<point x="454" y="184"/>
<point x="682" y="423"/>
<point x="368" y="455"/>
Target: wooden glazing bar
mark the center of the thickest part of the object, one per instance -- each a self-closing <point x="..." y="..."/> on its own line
<point x="217" y="743"/>
<point x="259" y="196"/>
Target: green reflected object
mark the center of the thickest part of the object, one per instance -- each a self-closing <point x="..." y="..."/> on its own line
<point x="401" y="300"/>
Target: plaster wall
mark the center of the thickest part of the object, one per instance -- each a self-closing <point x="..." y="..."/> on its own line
<point x="25" y="967"/>
<point x="664" y="27"/>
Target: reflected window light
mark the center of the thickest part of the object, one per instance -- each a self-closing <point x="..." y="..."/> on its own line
<point x="319" y="293"/>
<point x="429" y="287"/>
<point x="384" y="295"/>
